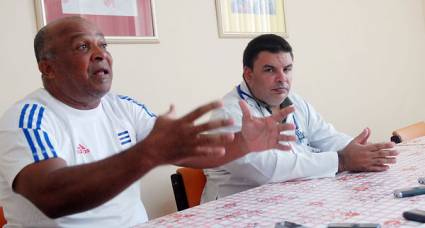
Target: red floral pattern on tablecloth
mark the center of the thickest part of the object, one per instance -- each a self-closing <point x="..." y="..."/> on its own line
<point x="349" y="197"/>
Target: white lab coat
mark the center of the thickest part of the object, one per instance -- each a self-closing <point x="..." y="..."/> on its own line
<point x="314" y="155"/>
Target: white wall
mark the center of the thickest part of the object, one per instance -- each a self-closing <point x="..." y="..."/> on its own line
<point x="423" y="4"/>
<point x="360" y="62"/>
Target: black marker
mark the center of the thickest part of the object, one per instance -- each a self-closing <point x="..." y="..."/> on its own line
<point x="408" y="192"/>
<point x="415" y="215"/>
<point x="287" y="224"/>
<point x="421" y="180"/>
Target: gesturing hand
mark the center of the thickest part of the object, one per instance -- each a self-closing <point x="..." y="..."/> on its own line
<point x="359" y="155"/>
<point x="173" y="140"/>
<point x="265" y="133"/>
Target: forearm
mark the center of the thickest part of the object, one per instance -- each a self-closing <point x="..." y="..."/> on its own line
<point x="305" y="165"/>
<point x="71" y="189"/>
<point x="279" y="167"/>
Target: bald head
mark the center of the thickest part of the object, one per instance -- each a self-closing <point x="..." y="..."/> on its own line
<point x="42" y="49"/>
<point x="73" y="59"/>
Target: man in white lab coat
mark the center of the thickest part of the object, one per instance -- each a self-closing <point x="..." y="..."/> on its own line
<point x="320" y="150"/>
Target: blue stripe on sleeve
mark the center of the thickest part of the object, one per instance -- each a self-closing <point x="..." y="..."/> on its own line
<point x="35" y="141"/>
<point x="124" y="137"/>
<point x="144" y="108"/>
<point x="125" y="142"/>
<point x="40" y="144"/>
<point x="52" y="149"/>
<point x="31" y="144"/>
<point x="122" y="133"/>
<point x="40" y="117"/>
<point x="34" y="107"/>
<point x="22" y="116"/>
<point x="151" y="114"/>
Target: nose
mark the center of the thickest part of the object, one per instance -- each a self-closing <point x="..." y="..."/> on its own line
<point x="99" y="54"/>
<point x="281" y="76"/>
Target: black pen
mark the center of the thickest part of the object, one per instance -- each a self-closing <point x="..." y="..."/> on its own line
<point x="408" y="192"/>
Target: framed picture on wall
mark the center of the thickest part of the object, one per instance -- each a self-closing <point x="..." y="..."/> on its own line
<point x="122" y="21"/>
<point x="249" y="18"/>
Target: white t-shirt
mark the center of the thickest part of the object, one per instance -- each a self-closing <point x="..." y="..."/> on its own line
<point x="313" y="155"/>
<point x="41" y="127"/>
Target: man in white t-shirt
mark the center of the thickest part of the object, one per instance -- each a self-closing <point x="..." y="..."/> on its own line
<point x="73" y="151"/>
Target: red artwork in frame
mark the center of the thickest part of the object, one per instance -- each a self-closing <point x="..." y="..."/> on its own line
<point x="122" y="21"/>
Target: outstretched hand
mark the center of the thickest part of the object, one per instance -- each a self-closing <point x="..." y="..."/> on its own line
<point x="264" y="133"/>
<point x="359" y="155"/>
<point x="174" y="140"/>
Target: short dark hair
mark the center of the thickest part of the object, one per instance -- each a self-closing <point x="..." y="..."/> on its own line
<point x="267" y="42"/>
<point x="39" y="44"/>
<point x="40" y="41"/>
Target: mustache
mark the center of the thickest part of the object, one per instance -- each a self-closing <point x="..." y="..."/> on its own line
<point x="281" y="86"/>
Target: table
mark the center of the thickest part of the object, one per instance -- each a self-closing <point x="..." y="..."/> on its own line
<point x="349" y="197"/>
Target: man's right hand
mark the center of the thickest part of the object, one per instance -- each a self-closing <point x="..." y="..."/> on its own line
<point x="181" y="142"/>
<point x="360" y="156"/>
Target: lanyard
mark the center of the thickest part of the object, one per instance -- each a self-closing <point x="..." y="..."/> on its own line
<point x="300" y="135"/>
<point x="242" y="94"/>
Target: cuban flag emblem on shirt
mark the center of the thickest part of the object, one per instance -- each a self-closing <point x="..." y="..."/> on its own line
<point x="124" y="137"/>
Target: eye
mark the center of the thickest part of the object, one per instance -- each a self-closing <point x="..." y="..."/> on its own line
<point x="82" y="47"/>
<point x="268" y="69"/>
<point x="288" y="69"/>
<point x="104" y="45"/>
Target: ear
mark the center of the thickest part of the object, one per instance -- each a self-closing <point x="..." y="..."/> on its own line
<point x="46" y="69"/>
<point x="247" y="73"/>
